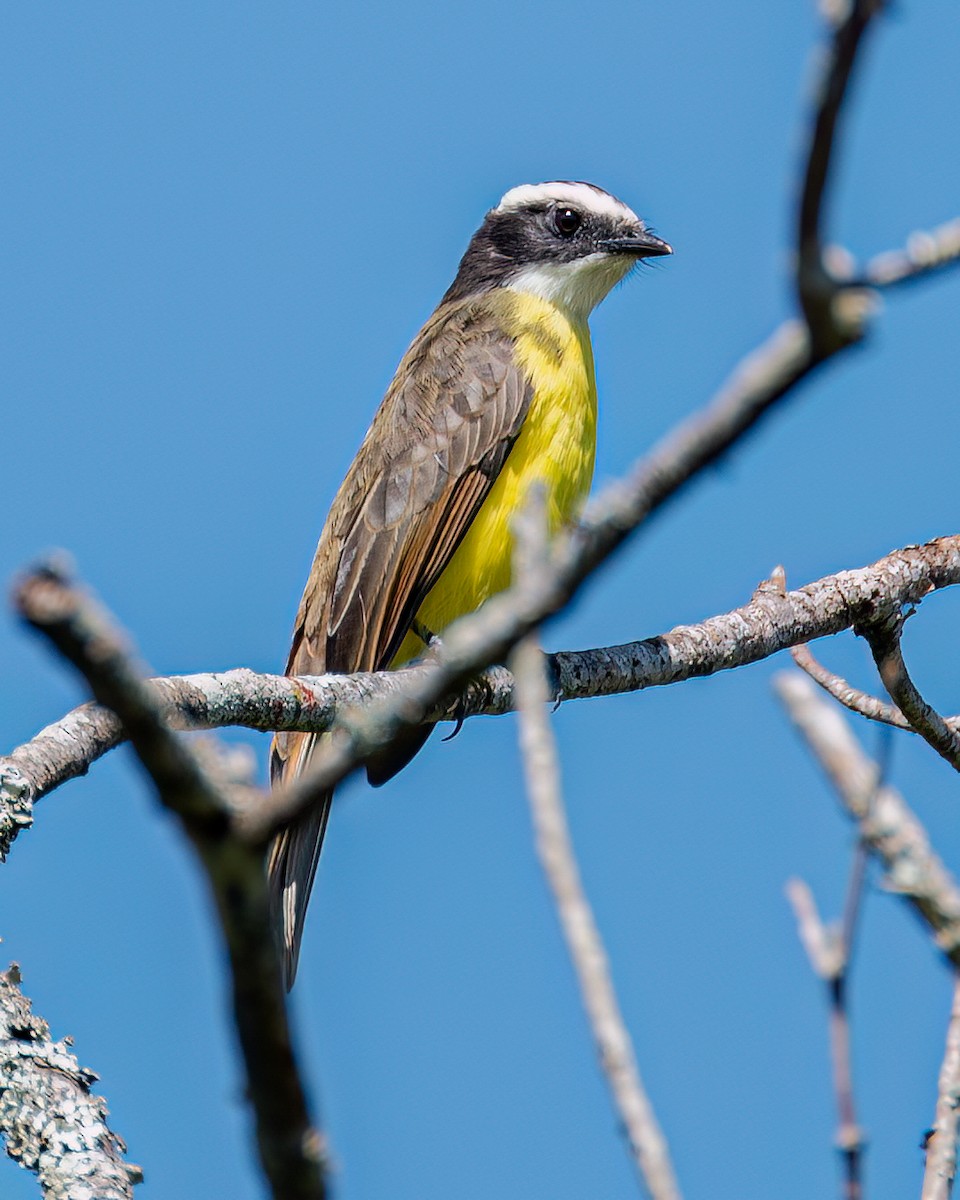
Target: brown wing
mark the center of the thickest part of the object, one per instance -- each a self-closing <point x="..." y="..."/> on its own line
<point x="438" y="441"/>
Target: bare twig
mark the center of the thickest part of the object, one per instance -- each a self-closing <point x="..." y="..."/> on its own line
<point x="647" y="1143"/>
<point x="833" y="322"/>
<point x="850" y="1137"/>
<point x="830" y="950"/>
<point x="926" y="251"/>
<point x="823" y="946"/>
<point x="889" y="829"/>
<point x="51" y="1122"/>
<point x="871" y="707"/>
<point x="941" y="1145"/>
<point x="883" y="631"/>
<point x="84" y="634"/>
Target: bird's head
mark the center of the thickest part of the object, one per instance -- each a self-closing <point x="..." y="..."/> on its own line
<point x="567" y="242"/>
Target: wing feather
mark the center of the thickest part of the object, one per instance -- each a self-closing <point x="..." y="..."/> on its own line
<point x="437" y="443"/>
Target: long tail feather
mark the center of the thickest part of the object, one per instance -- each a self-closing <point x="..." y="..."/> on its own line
<point x="292" y="861"/>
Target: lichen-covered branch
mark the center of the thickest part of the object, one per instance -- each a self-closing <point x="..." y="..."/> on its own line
<point x="887" y="826"/>
<point x="195" y="790"/>
<point x="51" y="1122"/>
<point x="771" y="621"/>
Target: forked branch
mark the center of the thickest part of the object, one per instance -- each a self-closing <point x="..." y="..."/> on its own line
<point x="197" y="792"/>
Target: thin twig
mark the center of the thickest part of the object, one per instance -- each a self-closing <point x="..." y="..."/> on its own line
<point x="941" y="1145"/>
<point x="830" y="950"/>
<point x="926" y="251"/>
<point x="823" y="297"/>
<point x="822" y="945"/>
<point x="889" y="829"/>
<point x="290" y="1147"/>
<point x="850" y="1138"/>
<point x="871" y="707"/>
<point x="883" y="631"/>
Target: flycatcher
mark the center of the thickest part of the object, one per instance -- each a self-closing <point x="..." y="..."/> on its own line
<point x="496" y="392"/>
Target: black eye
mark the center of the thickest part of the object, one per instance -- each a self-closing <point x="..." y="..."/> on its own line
<point x="567" y="221"/>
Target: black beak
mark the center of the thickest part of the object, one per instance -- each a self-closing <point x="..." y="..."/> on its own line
<point x="640" y="244"/>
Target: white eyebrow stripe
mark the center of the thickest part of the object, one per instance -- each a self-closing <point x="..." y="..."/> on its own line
<point x="578" y="195"/>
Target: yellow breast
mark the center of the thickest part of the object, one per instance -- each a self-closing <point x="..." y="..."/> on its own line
<point x="556" y="446"/>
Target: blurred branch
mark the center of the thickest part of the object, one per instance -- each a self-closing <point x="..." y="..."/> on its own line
<point x="648" y="1146"/>
<point x="831" y="320"/>
<point x="771" y="621"/>
<point x="889" y="829"/>
<point x="830" y="951"/>
<point x="829" y="958"/>
<point x="541" y="767"/>
<point x="820" y="942"/>
<point x="883" y="631"/>
<point x="51" y="1122"/>
<point x="926" y="252"/>
<point x="941" y="1145"/>
<point x="195" y="790"/>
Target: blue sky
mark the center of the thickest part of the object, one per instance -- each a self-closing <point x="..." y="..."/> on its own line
<point x="223" y="225"/>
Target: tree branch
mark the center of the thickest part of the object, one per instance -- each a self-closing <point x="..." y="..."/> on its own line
<point x="941" y="1145"/>
<point x="770" y="622"/>
<point x="51" y="1122"/>
<point x="883" y="631"/>
<point x="290" y="1148"/>
<point x="862" y="703"/>
<point x="926" y="252"/>
<point x="891" y="832"/>
<point x="830" y="951"/>
<point x="832" y="321"/>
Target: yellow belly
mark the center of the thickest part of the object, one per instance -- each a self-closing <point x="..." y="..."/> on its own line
<point x="556" y="446"/>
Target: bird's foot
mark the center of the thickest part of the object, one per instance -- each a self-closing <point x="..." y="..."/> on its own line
<point x="459" y="714"/>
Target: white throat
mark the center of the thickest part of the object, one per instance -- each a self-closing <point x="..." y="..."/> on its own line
<point x="577" y="287"/>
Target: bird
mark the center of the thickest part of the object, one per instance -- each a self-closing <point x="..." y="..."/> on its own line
<point x="495" y="394"/>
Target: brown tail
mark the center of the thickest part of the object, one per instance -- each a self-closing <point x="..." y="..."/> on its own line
<point x="292" y="861"/>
